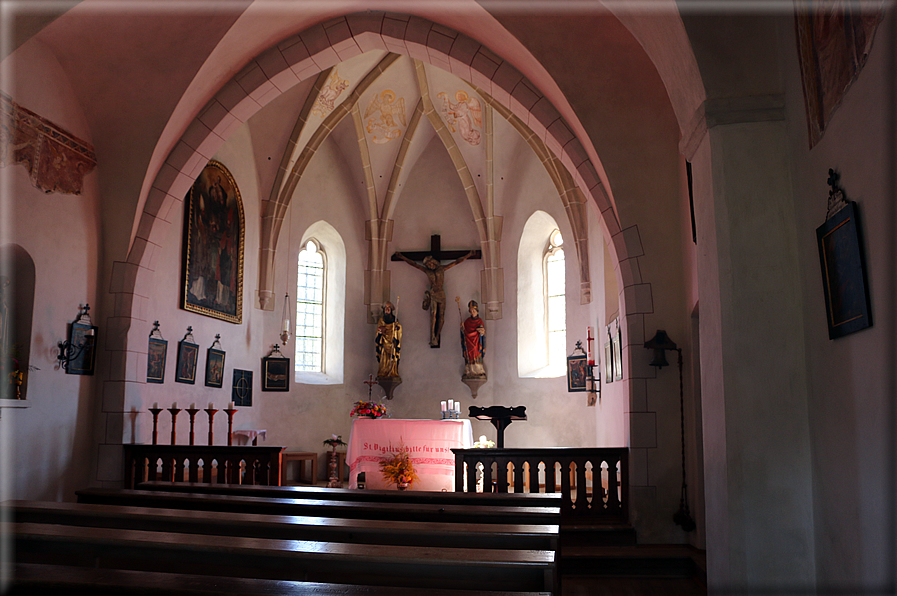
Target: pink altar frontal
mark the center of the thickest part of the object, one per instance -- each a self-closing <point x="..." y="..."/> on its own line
<point x="429" y="442"/>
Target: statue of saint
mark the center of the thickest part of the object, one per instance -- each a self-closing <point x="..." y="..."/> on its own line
<point x="473" y="342"/>
<point x="434" y="298"/>
<point x="389" y="343"/>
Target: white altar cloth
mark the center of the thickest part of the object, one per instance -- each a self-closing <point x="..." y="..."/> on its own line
<point x="429" y="443"/>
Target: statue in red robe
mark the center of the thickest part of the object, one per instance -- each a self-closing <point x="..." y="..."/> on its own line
<point x="473" y="341"/>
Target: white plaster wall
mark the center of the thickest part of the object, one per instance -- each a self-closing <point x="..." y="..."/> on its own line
<point x="47" y="446"/>
<point x="851" y="379"/>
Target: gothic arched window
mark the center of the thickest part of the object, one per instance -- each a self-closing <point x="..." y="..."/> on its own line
<point x="310" y="309"/>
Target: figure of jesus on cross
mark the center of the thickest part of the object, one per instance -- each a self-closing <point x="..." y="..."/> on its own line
<point x="434" y="298"/>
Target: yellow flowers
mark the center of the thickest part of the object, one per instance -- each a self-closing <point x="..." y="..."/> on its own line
<point x="399" y="469"/>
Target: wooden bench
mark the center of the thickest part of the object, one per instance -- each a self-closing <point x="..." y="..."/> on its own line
<point x="247" y="525"/>
<point x="422" y="568"/>
<point x="32" y="578"/>
<point x="429" y="512"/>
<point x="366" y="496"/>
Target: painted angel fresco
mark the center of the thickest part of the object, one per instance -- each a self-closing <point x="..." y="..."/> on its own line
<point x="326" y="101"/>
<point x="385" y="126"/>
<point x="467" y="114"/>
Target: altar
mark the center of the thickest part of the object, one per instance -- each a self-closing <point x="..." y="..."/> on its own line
<point x="429" y="443"/>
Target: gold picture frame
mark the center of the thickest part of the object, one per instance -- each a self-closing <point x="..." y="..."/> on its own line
<point x="214" y="230"/>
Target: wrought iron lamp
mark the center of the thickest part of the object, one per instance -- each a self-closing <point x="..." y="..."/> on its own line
<point x="660" y="343"/>
<point x="78" y="348"/>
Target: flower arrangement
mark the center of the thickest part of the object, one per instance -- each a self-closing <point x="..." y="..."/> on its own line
<point x="484" y="443"/>
<point x="334" y="441"/>
<point x="398" y="469"/>
<point x="368" y="409"/>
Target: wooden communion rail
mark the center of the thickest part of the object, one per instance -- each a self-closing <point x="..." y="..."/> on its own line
<point x="578" y="474"/>
<point x="213" y="463"/>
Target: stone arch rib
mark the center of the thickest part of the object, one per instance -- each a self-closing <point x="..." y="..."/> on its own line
<point x="276" y="70"/>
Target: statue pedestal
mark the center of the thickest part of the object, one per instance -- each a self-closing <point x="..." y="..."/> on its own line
<point x="389" y="384"/>
<point x="474" y="384"/>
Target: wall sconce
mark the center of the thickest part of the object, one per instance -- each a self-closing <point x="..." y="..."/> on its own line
<point x="660" y="343"/>
<point x="285" y="334"/>
<point x="77" y="353"/>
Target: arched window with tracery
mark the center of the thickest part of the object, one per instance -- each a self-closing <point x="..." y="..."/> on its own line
<point x="310" y="308"/>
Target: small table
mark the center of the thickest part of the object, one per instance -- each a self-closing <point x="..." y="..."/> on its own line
<point x="303" y="457"/>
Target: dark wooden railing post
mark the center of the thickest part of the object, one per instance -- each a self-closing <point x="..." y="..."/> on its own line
<point x="180" y="462"/>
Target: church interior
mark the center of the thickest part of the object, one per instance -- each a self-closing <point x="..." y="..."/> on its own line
<point x="588" y="173"/>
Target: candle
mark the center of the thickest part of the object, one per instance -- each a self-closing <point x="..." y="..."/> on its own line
<point x="442" y="405"/>
<point x="193" y="406"/>
<point x="286" y="325"/>
<point x="174" y="406"/>
<point x="589" y="339"/>
<point x="451" y="405"/>
<point x="155" y="405"/>
<point x="230" y="406"/>
<point x="211" y="406"/>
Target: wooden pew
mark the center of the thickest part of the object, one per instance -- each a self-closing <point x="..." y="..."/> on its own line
<point x="361" y="496"/>
<point x="31" y="578"/>
<point x="426" y="512"/>
<point x="247" y="525"/>
<point x="422" y="568"/>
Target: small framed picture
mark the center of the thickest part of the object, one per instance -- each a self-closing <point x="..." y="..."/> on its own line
<point x="847" y="299"/>
<point x="83" y="337"/>
<point x="215" y="368"/>
<point x="186" y="369"/>
<point x="577" y="373"/>
<point x="275" y="374"/>
<point x="155" y="360"/>
<point x="241" y="394"/>
<point x="617" y="348"/>
<point x="608" y="362"/>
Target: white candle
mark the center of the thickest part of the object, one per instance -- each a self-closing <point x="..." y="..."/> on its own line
<point x="442" y="405"/>
<point x="458" y="407"/>
<point x="174" y="406"/>
<point x="211" y="406"/>
<point x="286" y="324"/>
<point x="155" y="405"/>
<point x="451" y="405"/>
<point x="230" y="406"/>
<point x="193" y="406"/>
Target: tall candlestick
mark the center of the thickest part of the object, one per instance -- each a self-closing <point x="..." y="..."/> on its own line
<point x="174" y="418"/>
<point x="211" y="412"/>
<point x="155" y="411"/>
<point x="192" y="412"/>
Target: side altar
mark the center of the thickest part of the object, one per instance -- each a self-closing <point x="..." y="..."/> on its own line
<point x="429" y="443"/>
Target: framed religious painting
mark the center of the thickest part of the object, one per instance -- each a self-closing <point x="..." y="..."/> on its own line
<point x="215" y="368"/>
<point x="847" y="300"/>
<point x="577" y="373"/>
<point x="212" y="276"/>
<point x="275" y="374"/>
<point x="187" y="356"/>
<point x="608" y="362"/>
<point x="617" y="349"/>
<point x="155" y="360"/>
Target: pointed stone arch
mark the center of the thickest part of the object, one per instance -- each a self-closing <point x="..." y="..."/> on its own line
<point x="303" y="56"/>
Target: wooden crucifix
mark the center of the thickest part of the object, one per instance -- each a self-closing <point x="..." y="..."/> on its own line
<point x="434" y="298"/>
